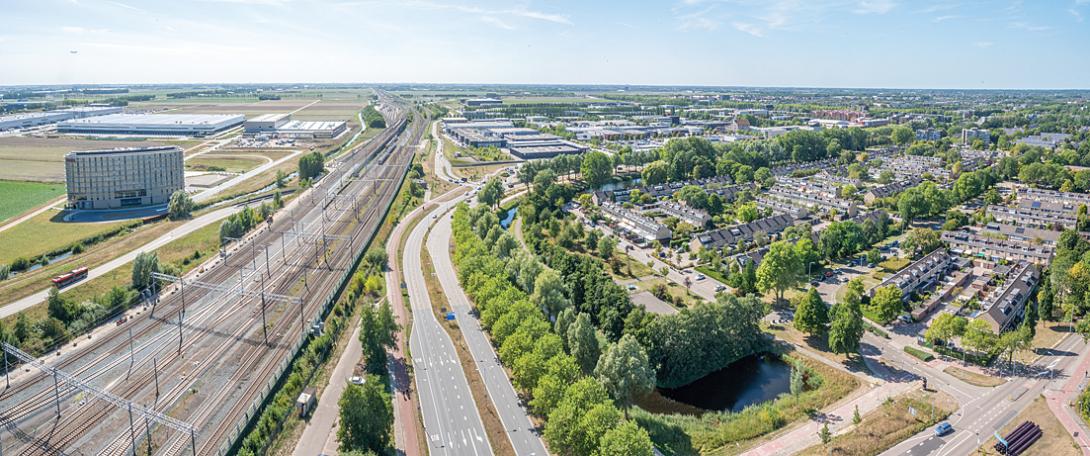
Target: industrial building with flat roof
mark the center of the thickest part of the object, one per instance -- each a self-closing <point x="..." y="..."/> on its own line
<point x="282" y="125"/>
<point x="154" y="124"/>
<point x="35" y="119"/>
<point x="127" y="177"/>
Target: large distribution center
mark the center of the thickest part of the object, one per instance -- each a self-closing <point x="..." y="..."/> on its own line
<point x="282" y="125"/>
<point x="154" y="124"/>
<point x="35" y="119"/>
<point x="127" y="177"/>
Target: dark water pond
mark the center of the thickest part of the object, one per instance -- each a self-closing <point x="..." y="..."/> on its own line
<point x="750" y="380"/>
<point x="509" y="217"/>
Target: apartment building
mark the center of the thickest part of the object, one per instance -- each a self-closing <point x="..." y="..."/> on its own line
<point x="1035" y="214"/>
<point x="975" y="245"/>
<point x="921" y="274"/>
<point x="890" y="189"/>
<point x="640" y="226"/>
<point x="730" y="236"/>
<point x="683" y="212"/>
<point x="1004" y="306"/>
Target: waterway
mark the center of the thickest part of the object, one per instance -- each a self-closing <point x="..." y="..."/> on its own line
<point x="748" y="381"/>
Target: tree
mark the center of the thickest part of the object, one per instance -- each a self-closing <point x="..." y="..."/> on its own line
<point x="1044" y="301"/>
<point x="945" y="327"/>
<point x="143" y="266"/>
<point x="824" y="434"/>
<point x="563" y="429"/>
<point x="628" y="439"/>
<point x="549" y="293"/>
<point x="596" y="168"/>
<point x="281" y="178"/>
<point x="797" y="382"/>
<point x="811" y="314"/>
<point x="856" y="419"/>
<point x="377" y="329"/>
<point x="583" y="343"/>
<point x="979" y="336"/>
<point x="902" y="135"/>
<point x="779" y="269"/>
<point x="846" y="330"/>
<point x="180" y="205"/>
<point x="367" y="417"/>
<point x="655" y="172"/>
<point x="624" y="371"/>
<point x="921" y="241"/>
<point x="491" y="193"/>
<point x="887" y="303"/>
<point x="311" y="165"/>
<point x="58" y="307"/>
<point x="606" y="246"/>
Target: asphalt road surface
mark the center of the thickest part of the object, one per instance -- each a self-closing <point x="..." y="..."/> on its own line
<point x="516" y="421"/>
<point x="452" y="423"/>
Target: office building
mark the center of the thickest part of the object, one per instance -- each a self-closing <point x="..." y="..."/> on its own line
<point x="154" y="124"/>
<point x="128" y="177"/>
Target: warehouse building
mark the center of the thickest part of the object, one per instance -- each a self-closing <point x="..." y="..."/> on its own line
<point x="282" y="125"/>
<point x="127" y="177"/>
<point x="154" y="124"/>
<point x="36" y="119"/>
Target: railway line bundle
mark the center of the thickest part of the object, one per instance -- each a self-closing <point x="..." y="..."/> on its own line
<point x="212" y="347"/>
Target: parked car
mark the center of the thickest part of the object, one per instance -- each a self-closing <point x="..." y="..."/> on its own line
<point x="356" y="380"/>
<point x="815" y="283"/>
<point x="719" y="288"/>
<point x="943" y="428"/>
<point x="631" y="287"/>
<point x="828" y="274"/>
<point x="701" y="277"/>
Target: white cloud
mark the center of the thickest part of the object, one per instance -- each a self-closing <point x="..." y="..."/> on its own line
<point x="698" y="20"/>
<point x="1076" y="13"/>
<point x="1030" y="27"/>
<point x="517" y="12"/>
<point x="983" y="44"/>
<point x="875" y="6"/>
<point x="748" y="28"/>
<point x="945" y="18"/>
<point x="497" y="22"/>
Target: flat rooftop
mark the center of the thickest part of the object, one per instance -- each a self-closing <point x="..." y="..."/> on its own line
<point x="270" y="117"/>
<point x="124" y="150"/>
<point x="303" y="125"/>
<point x="158" y="119"/>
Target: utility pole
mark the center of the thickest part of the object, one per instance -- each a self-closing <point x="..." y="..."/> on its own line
<point x="56" y="393"/>
<point x="264" y="327"/>
<point x="132" y="355"/>
<point x="132" y="432"/>
<point x="267" y="262"/>
<point x="155" y="372"/>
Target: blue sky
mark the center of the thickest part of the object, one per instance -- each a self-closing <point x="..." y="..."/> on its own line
<point x="833" y="43"/>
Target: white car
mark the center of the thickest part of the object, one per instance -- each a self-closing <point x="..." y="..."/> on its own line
<point x="356" y="380"/>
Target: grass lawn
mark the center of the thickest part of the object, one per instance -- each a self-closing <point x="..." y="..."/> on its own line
<point x="974" y="378"/>
<point x="229" y="163"/>
<point x="894" y="264"/>
<point x="733" y="433"/>
<point x="1054" y="441"/>
<point x="1048" y="333"/>
<point x="41" y="234"/>
<point x="42" y="159"/>
<point x="21" y="196"/>
<point x="888" y="425"/>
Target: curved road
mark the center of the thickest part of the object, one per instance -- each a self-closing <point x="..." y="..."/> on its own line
<point x="524" y="437"/>
<point x="452" y="423"/>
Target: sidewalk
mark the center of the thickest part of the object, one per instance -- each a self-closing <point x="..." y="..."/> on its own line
<point x="839" y="420"/>
<point x="1062" y="401"/>
<point x="320" y="435"/>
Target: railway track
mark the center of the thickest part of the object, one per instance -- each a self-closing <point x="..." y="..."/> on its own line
<point x="255" y="359"/>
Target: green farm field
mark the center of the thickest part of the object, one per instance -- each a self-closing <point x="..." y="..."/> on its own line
<point x="21" y="196"/>
<point x="41" y="159"/>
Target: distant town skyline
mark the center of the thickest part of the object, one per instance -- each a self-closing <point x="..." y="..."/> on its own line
<point x="774" y="43"/>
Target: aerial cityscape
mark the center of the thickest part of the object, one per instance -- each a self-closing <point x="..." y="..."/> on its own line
<point x="523" y="228"/>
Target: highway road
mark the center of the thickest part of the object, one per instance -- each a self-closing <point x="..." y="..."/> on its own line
<point x="516" y="421"/>
<point x="452" y="422"/>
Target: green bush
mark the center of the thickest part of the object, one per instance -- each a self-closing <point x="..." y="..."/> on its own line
<point x="922" y="355"/>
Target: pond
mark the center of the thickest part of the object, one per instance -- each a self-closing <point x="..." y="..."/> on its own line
<point x="509" y="217"/>
<point x="619" y="185"/>
<point x="750" y="380"/>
